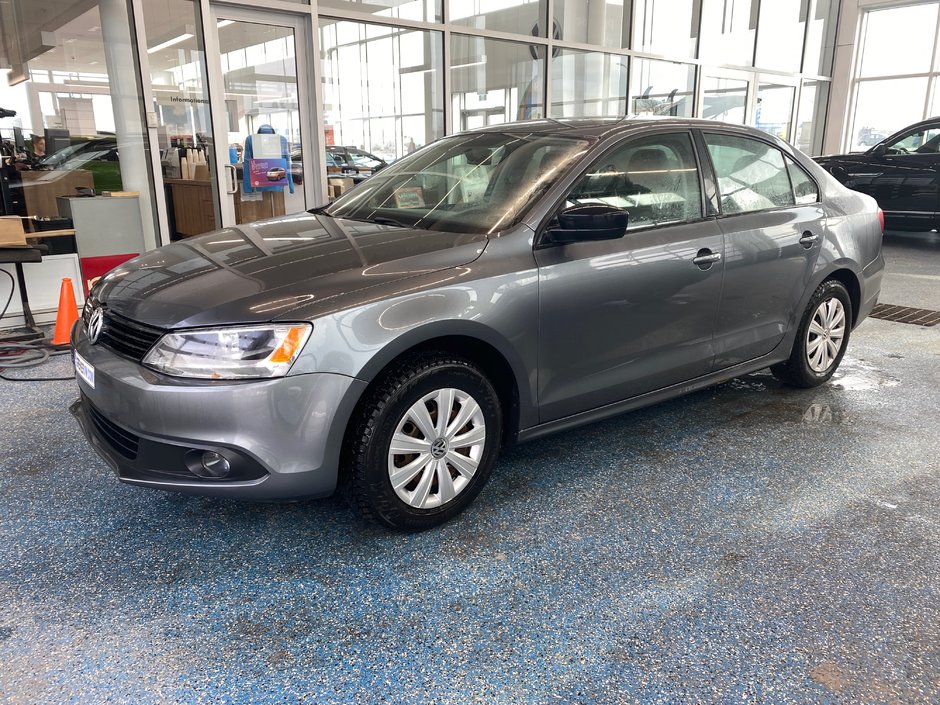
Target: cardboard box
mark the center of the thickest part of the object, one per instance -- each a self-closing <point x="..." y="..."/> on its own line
<point x="11" y="232"/>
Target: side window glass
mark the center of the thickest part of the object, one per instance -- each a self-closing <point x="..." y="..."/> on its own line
<point x="751" y="174"/>
<point x="804" y="188"/>
<point x="925" y="141"/>
<point x="655" y="179"/>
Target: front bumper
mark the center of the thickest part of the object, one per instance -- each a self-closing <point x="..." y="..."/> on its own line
<point x="282" y="436"/>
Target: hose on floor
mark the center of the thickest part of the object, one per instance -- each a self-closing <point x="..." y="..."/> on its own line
<point x="18" y="356"/>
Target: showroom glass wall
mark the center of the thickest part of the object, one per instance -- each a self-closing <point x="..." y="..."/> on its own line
<point x="76" y="172"/>
<point x="894" y="88"/>
<point x="484" y="62"/>
<point x="392" y="76"/>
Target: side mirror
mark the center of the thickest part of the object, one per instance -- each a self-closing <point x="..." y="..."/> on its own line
<point x="589" y="221"/>
<point x="879" y="150"/>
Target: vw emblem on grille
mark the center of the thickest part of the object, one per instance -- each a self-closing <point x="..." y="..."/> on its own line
<point x="95" y="323"/>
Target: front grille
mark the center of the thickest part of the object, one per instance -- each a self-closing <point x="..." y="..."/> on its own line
<point x="906" y="314"/>
<point x="127" y="337"/>
<point x="124" y="442"/>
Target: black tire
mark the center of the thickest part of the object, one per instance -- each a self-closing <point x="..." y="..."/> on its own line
<point x="797" y="371"/>
<point x="368" y="443"/>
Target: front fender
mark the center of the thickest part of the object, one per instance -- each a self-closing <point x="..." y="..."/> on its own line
<point x="499" y="311"/>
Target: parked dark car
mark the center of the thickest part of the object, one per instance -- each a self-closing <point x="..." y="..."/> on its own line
<point x="494" y="287"/>
<point x="98" y="155"/>
<point x="364" y="163"/>
<point x="336" y="167"/>
<point x="902" y="173"/>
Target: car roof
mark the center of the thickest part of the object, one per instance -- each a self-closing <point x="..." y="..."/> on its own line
<point x="600" y="127"/>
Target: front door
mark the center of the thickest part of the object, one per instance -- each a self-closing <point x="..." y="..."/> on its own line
<point x="618" y="318"/>
<point x="263" y="113"/>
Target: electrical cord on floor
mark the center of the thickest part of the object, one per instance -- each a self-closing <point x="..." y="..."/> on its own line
<point x="18" y="356"/>
<point x="10" y="297"/>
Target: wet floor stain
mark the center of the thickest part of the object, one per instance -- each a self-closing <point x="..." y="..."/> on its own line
<point x="856" y="375"/>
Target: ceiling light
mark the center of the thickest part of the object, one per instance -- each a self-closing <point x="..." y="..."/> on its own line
<point x="224" y="23"/>
<point x="171" y="42"/>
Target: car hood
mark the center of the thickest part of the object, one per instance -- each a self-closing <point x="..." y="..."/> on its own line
<point x="267" y="271"/>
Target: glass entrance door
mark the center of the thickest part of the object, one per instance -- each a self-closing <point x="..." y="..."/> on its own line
<point x="262" y="115"/>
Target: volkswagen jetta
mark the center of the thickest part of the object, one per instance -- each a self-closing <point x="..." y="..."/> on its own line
<point x="493" y="287"/>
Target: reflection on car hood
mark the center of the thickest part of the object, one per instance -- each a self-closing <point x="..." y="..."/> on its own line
<point x="266" y="271"/>
<point x="858" y="157"/>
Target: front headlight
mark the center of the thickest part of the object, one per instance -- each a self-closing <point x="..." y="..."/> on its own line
<point x="242" y="352"/>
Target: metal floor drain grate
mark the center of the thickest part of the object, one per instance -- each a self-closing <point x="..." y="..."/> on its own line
<point x="906" y="314"/>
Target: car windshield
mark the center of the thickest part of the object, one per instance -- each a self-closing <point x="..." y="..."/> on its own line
<point x="474" y="183"/>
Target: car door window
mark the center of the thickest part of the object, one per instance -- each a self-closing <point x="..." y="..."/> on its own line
<point x="752" y="175"/>
<point x="654" y="179"/>
<point x="804" y="188"/>
<point x="923" y="141"/>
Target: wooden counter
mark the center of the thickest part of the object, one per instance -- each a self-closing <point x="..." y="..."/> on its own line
<point x="193" y="207"/>
<point x="194" y="212"/>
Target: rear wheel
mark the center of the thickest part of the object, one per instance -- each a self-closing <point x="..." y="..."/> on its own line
<point x="821" y="339"/>
<point x="424" y="443"/>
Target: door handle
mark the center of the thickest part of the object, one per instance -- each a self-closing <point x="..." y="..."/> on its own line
<point x="808" y="239"/>
<point x="706" y="258"/>
<point x="234" y="181"/>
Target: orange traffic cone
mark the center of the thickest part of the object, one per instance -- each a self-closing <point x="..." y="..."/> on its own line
<point x="67" y="315"/>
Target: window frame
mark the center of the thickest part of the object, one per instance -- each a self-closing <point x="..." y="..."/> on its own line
<point x="541" y="239"/>
<point x="789" y="158"/>
<point x="757" y="138"/>
<point x="925" y="128"/>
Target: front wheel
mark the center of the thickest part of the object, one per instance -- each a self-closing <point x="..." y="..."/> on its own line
<point x="821" y="339"/>
<point x="424" y="443"/>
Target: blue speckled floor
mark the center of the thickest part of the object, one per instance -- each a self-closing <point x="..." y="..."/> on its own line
<point x="749" y="543"/>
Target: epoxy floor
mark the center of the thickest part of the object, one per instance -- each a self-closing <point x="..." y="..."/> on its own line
<point x="746" y="544"/>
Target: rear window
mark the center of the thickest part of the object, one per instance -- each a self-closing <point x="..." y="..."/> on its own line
<point x="804" y="188"/>
<point x="752" y="175"/>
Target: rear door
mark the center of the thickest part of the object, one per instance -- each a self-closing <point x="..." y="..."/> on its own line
<point x="773" y="227"/>
<point x="618" y="318"/>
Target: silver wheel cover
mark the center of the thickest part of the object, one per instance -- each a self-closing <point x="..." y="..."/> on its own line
<point x="825" y="335"/>
<point x="436" y="448"/>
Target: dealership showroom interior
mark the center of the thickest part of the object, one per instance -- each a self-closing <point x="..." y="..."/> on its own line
<point x="469" y="351"/>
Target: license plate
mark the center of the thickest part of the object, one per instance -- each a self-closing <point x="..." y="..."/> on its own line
<point x="84" y="369"/>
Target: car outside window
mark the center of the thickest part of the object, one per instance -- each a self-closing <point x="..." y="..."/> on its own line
<point x="474" y="183"/>
<point x="804" y="188"/>
<point x="752" y="175"/>
<point x="923" y="141"/>
<point x="654" y="179"/>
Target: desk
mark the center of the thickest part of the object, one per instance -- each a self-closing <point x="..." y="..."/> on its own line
<point x="41" y="188"/>
<point x="17" y="256"/>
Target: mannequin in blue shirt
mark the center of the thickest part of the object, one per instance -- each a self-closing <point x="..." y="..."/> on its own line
<point x="246" y="171"/>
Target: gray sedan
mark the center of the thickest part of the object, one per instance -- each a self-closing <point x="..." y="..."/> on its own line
<point x="493" y="287"/>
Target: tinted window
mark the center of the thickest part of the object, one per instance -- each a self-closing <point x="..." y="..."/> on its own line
<point x="924" y="141"/>
<point x="804" y="188"/>
<point x="751" y="174"/>
<point x="654" y="179"/>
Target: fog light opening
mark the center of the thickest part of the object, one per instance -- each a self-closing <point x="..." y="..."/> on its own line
<point x="213" y="464"/>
